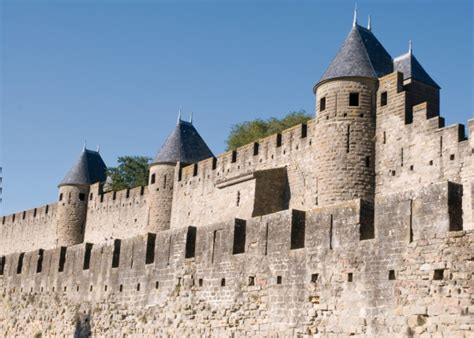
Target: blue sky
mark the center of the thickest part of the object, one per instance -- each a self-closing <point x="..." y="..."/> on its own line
<point x="116" y="72"/>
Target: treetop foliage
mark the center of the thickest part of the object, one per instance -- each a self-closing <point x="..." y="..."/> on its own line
<point x="251" y="131"/>
<point x="131" y="172"/>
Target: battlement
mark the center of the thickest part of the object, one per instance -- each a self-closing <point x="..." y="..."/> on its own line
<point x="276" y="256"/>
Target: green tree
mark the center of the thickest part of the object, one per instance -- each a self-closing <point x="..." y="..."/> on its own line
<point x="250" y="131"/>
<point x="131" y="172"/>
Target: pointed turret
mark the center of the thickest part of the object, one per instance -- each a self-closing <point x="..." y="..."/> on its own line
<point x="412" y="69"/>
<point x="183" y="145"/>
<point x="361" y="55"/>
<point x="73" y="192"/>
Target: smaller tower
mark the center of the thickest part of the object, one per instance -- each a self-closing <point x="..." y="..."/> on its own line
<point x="183" y="145"/>
<point x="417" y="83"/>
<point x="73" y="197"/>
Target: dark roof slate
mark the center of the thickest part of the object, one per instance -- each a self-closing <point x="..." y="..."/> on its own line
<point x="89" y="169"/>
<point x="361" y="54"/>
<point x="184" y="144"/>
<point x="412" y="69"/>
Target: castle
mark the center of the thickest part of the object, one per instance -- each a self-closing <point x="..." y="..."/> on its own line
<point x="358" y="223"/>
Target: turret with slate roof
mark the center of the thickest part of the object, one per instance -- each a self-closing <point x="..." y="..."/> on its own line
<point x="184" y="145"/>
<point x="345" y="124"/>
<point x="73" y="192"/>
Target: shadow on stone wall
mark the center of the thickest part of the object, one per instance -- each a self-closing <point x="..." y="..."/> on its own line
<point x="83" y="326"/>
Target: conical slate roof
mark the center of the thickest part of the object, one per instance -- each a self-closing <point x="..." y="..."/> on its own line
<point x="412" y="69"/>
<point x="184" y="144"/>
<point x="89" y="169"/>
<point x="361" y="54"/>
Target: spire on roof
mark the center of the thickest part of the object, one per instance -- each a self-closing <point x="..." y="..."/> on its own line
<point x="85" y="145"/>
<point x="360" y="55"/>
<point x="89" y="169"/>
<point x="179" y="114"/>
<point x="184" y="144"/>
<point x="411" y="68"/>
<point x="191" y="118"/>
<point x="98" y="147"/>
<point x="369" y="24"/>
<point x="354" y="22"/>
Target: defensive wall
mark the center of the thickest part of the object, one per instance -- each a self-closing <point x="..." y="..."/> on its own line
<point x="413" y="148"/>
<point x="326" y="270"/>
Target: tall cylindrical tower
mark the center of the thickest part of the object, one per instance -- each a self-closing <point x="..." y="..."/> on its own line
<point x="71" y="216"/>
<point x="73" y="197"/>
<point x="183" y="145"/>
<point x="345" y="118"/>
<point x="160" y="196"/>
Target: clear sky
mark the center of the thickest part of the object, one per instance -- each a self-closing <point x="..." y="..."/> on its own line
<point x="116" y="72"/>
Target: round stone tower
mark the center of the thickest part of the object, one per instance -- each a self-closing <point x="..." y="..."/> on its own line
<point x="345" y="118"/>
<point x="73" y="197"/>
<point x="184" y="146"/>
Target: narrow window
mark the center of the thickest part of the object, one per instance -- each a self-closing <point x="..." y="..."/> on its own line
<point x="127" y="193"/>
<point x="266" y="239"/>
<point x="383" y="99"/>
<point x="87" y="256"/>
<point x="116" y="254"/>
<point x="46" y="210"/>
<point x="165" y="180"/>
<point x="20" y="263"/>
<point x="223" y="282"/>
<point x="157" y="284"/>
<point x="237" y="202"/>
<point x="366" y="222"/>
<point x="438" y="274"/>
<point x="441" y="146"/>
<point x="367" y="161"/>
<point x="142" y="190"/>
<point x="60" y="196"/>
<point x="455" y="193"/>
<point x="401" y="157"/>
<point x="384" y="137"/>
<point x="214" y="163"/>
<point x="279" y="279"/>
<point x="121" y="288"/>
<point x="2" y="265"/>
<point x="349" y="277"/>
<point x="82" y="196"/>
<point x="200" y="282"/>
<point x="348" y="139"/>
<point x="410" y="234"/>
<point x="255" y="148"/>
<point x="330" y="231"/>
<point x="39" y="263"/>
<point x="34" y="213"/>
<point x="234" y="156"/>
<point x="391" y="275"/>
<point x="13" y="217"/>
<point x="114" y="195"/>
<point x="138" y="287"/>
<point x="239" y="236"/>
<point x="354" y="99"/>
<point x="150" y="248"/>
<point x="322" y="104"/>
<point x="304" y="131"/>
<point x="451" y="157"/>
<point x="314" y="278"/>
<point x="180" y="173"/>
<point x="251" y="280"/>
<point x="24" y="214"/>
<point x="62" y="258"/>
<point x="153" y="179"/>
<point x="278" y="140"/>
<point x="190" y="242"/>
<point x="91" y="196"/>
<point x="195" y="169"/>
<point x="298" y="220"/>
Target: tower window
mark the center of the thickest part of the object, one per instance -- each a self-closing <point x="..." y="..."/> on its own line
<point x="322" y="104"/>
<point x="60" y="196"/>
<point x="153" y="179"/>
<point x="82" y="196"/>
<point x="383" y="99"/>
<point x="354" y="99"/>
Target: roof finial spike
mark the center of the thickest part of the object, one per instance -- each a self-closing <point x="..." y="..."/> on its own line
<point x="85" y="145"/>
<point x="179" y="114"/>
<point x="191" y="118"/>
<point x="369" y="24"/>
<point x="354" y="23"/>
<point x="410" y="47"/>
<point x="98" y="147"/>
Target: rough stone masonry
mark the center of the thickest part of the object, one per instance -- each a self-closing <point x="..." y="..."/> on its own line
<point x="359" y="223"/>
